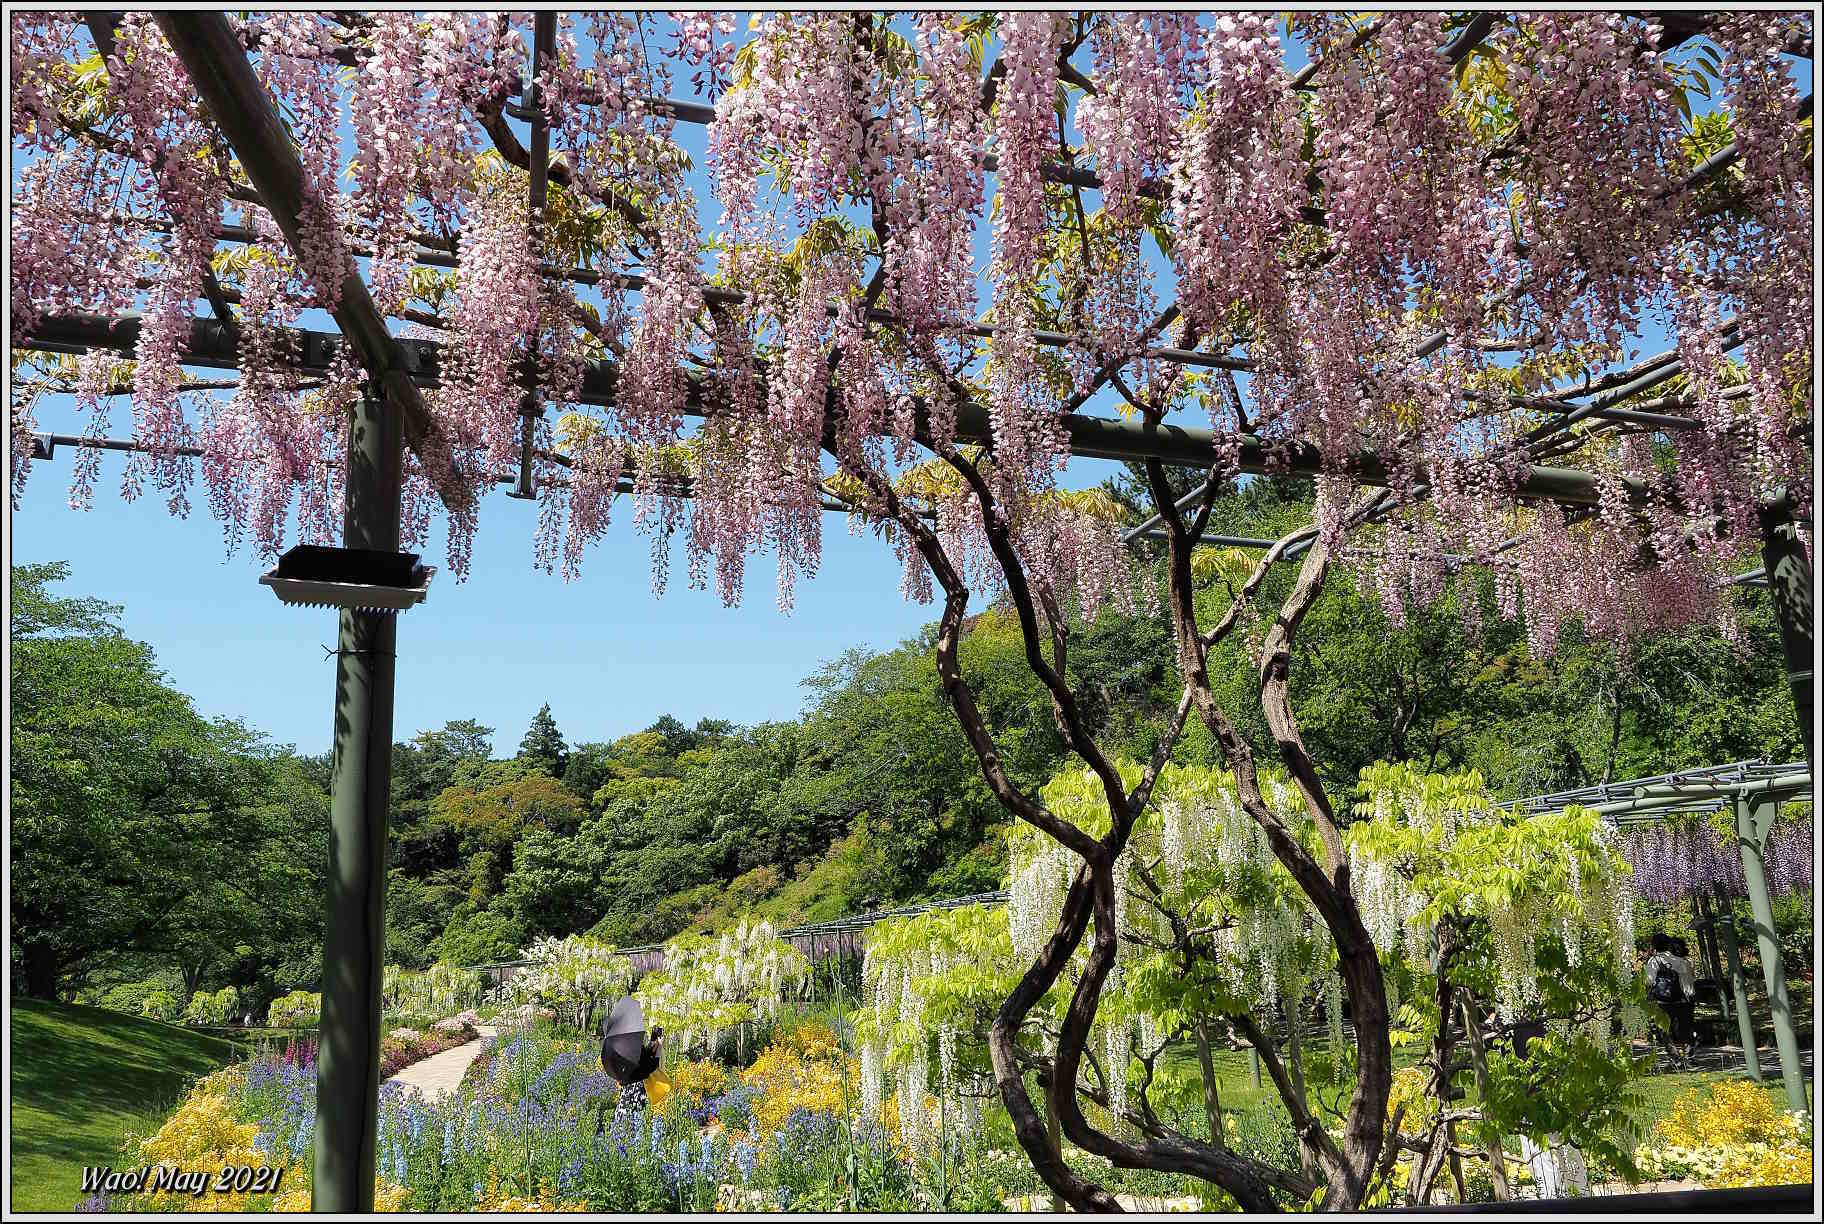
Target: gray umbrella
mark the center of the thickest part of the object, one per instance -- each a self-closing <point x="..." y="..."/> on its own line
<point x="624" y="1031"/>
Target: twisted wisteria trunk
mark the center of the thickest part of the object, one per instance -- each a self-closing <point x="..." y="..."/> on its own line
<point x="1348" y="1171"/>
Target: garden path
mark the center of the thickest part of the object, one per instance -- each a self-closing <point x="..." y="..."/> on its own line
<point x="441" y="1074"/>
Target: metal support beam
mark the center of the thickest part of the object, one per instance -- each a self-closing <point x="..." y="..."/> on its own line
<point x="1087" y="436"/>
<point x="1738" y="982"/>
<point x="1705" y="930"/>
<point x="354" y="944"/>
<point x="1753" y="817"/>
<point x="1789" y="579"/>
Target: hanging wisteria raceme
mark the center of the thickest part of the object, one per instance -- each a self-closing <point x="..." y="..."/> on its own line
<point x="295" y="63"/>
<point x="1684" y="857"/>
<point x="926" y="171"/>
<point x="1238" y="179"/>
<point x="710" y="986"/>
<point x="498" y="295"/>
<point x="265" y="446"/>
<point x="1214" y="861"/>
<point x="1027" y="438"/>
<point x="1432" y="850"/>
<point x="387" y="122"/>
<point x="442" y="989"/>
<point x="1770" y="266"/>
<point x="1144" y="65"/>
<point x="1789" y="856"/>
<point x="36" y="44"/>
<point x="922" y="983"/>
<point x="1592" y="222"/>
<point x="801" y="103"/>
<point x="1531" y="197"/>
<point x="575" y="976"/>
<point x="698" y="46"/>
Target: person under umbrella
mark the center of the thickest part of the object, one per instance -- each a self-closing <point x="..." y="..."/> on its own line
<point x="631" y="1057"/>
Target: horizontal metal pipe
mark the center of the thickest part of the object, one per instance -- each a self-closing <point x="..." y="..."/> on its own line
<point x="1088" y="437"/>
<point x="1704" y="788"/>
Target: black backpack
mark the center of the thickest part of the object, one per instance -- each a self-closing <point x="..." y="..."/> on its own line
<point x="1664" y="987"/>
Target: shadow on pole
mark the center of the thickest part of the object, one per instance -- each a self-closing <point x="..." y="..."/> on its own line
<point x="348" y="1055"/>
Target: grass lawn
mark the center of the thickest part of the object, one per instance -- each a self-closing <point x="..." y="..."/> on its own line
<point x="1658" y="1092"/>
<point x="82" y="1078"/>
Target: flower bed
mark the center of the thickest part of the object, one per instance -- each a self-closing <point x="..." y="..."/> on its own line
<point x="1732" y="1136"/>
<point x="536" y="1124"/>
<point x="401" y="1048"/>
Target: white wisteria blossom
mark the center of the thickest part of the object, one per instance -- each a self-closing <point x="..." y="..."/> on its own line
<point x="713" y="985"/>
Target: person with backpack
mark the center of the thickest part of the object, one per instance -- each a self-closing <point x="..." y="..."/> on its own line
<point x="1672" y="985"/>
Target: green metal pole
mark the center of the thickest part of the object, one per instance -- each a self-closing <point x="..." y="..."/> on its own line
<point x="1789" y="581"/>
<point x="1738" y="982"/>
<point x="1753" y="815"/>
<point x="1706" y="943"/>
<point x="348" y="1053"/>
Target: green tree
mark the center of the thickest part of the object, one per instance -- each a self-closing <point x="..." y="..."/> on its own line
<point x="137" y="825"/>
<point x="556" y="886"/>
<point x="589" y="766"/>
<point x="430" y="762"/>
<point x="478" y="936"/>
<point x="543" y="744"/>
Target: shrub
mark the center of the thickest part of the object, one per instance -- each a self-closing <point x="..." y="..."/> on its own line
<point x="1728" y="1137"/>
<point x="698" y="1081"/>
<point x="212" y="1009"/>
<point x="299" y="1009"/>
<point x="802" y="1069"/>
<point x="403" y="1047"/>
<point x="159" y="1005"/>
<point x="130" y="997"/>
<point x="432" y="992"/>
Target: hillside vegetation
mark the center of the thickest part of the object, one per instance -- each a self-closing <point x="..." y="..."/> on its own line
<point x="870" y="797"/>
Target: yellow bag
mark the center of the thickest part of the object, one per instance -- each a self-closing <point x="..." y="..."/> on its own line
<point x="658" y="1087"/>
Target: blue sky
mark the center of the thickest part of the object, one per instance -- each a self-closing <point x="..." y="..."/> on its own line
<point x="605" y="654"/>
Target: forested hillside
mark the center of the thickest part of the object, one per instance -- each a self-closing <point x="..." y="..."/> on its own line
<point x="869" y="797"/>
<point x="872" y="795"/>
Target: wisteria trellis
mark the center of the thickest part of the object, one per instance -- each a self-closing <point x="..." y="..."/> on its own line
<point x="1536" y="202"/>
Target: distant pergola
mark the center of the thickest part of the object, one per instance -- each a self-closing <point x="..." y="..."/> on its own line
<point x="1753" y="791"/>
<point x="392" y="415"/>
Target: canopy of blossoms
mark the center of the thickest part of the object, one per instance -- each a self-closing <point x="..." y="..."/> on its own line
<point x="1675" y="860"/>
<point x="1420" y="261"/>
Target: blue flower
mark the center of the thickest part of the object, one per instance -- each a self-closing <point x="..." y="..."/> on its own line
<point x="746" y="1156"/>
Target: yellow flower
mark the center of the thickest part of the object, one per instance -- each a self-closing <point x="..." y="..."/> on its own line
<point x="296" y="1197"/>
<point x="495" y="1199"/>
<point x="1735" y="1111"/>
<point x="699" y="1079"/>
<point x="1730" y="1136"/>
<point x="201" y="1137"/>
<point x="803" y="1068"/>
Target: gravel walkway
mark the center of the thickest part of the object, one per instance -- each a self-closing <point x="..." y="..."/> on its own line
<point x="441" y="1074"/>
